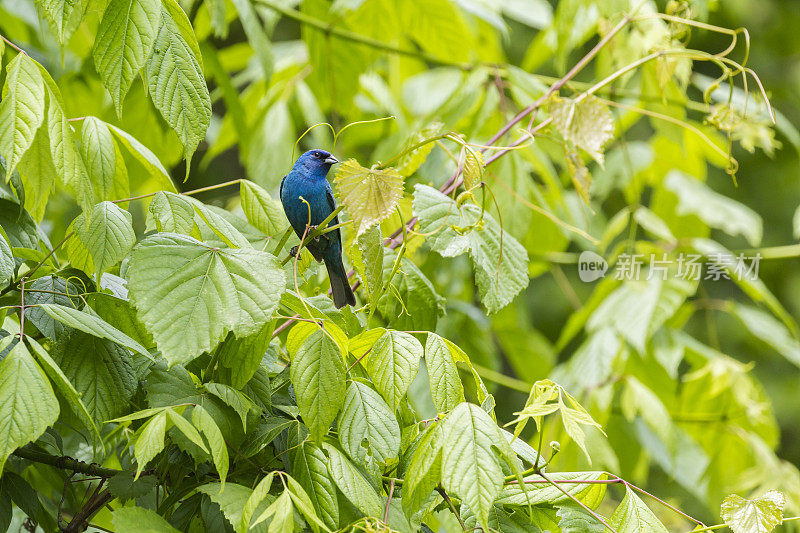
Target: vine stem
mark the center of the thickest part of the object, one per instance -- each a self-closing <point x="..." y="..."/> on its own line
<point x="388" y="502"/>
<point x="722" y="526"/>
<point x="576" y="500"/>
<point x="14" y="46"/>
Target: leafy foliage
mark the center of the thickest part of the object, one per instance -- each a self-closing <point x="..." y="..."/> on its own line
<point x="162" y="329"/>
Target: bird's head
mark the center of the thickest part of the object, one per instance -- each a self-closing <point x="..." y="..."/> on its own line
<point x="315" y="162"/>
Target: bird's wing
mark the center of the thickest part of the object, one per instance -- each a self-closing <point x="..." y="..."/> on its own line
<point x="280" y="192"/>
<point x="331" y="203"/>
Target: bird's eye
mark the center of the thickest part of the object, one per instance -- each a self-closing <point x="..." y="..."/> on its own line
<point x="317" y="154"/>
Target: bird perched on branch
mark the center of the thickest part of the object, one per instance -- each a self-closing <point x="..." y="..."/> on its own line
<point x="307" y="200"/>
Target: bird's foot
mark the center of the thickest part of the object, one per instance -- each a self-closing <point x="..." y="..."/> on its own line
<point x="293" y="251"/>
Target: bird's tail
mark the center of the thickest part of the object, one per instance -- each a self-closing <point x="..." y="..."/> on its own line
<point x="342" y="293"/>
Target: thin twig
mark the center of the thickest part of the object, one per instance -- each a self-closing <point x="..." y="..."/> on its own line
<point x="447" y="499"/>
<point x="388" y="502"/>
<point x="585" y="507"/>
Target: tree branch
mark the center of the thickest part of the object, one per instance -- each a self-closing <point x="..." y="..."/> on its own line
<point x="65" y="463"/>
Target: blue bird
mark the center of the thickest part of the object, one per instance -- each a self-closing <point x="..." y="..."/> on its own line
<point x="307" y="179"/>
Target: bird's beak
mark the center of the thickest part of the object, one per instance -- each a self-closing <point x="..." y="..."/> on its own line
<point x="331" y="160"/>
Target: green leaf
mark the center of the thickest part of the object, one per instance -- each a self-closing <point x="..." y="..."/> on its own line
<point x="175" y="78"/>
<point x="653" y="224"/>
<point x="93" y="326"/>
<point x="637" y="309"/>
<point x="424" y="470"/>
<point x="221" y="227"/>
<point x="231" y="498"/>
<point x="586" y="123"/>
<point x="759" y="515"/>
<point x="633" y="516"/>
<point x="473" y="168"/>
<point x="186" y="428"/>
<point x="150" y="441"/>
<point x="411" y="161"/>
<point x="337" y="64"/>
<point x="124" y="41"/>
<point x="393" y="364"/>
<point x="27" y="402"/>
<point x="769" y="330"/>
<point x="716" y="210"/>
<point x="303" y="504"/>
<point x="65" y="155"/>
<point x="123" y="486"/>
<point x="141" y="520"/>
<point x="499" y="260"/>
<point x="368" y="429"/>
<point x="106" y="381"/>
<point x="120" y="314"/>
<point x="574" y="519"/>
<point x="242" y="357"/>
<point x="253" y="501"/>
<point x="445" y="383"/>
<point x="281" y="513"/>
<point x="547" y="397"/>
<point x="22" y="109"/>
<point x="352" y="483"/>
<point x="44" y="323"/>
<point x="173" y="213"/>
<point x="539" y="491"/>
<point x="6" y="261"/>
<point x="318" y="376"/>
<point x="438" y="27"/>
<point x="65" y="388"/>
<point x="103" y="161"/>
<point x="145" y="157"/>
<point x="108" y="235"/>
<point x="232" y="397"/>
<point x="63" y="16"/>
<point x="204" y="422"/>
<point x="269" y="148"/>
<point x="190" y="295"/>
<point x="368" y="195"/>
<point x="410" y="302"/>
<point x="311" y="471"/>
<point x="266" y="432"/>
<point x="262" y="210"/>
<point x="38" y="173"/>
<point x="579" y="174"/>
<point x="366" y="253"/>
<point x="470" y="468"/>
<point x="256" y="37"/>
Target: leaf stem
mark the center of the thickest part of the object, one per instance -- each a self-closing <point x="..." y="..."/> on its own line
<point x="447" y="499"/>
<point x="585" y="507"/>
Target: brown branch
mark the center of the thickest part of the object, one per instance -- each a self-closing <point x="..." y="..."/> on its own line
<point x="97" y="501"/>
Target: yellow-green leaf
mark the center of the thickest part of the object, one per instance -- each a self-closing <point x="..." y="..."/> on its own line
<point x="368" y="194"/>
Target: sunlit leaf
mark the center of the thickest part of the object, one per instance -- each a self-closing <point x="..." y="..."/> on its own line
<point x="127" y="33"/>
<point x="759" y="515"/>
<point x="369" y="195"/>
<point x="587" y="123"/>
<point x="190" y="295"/>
